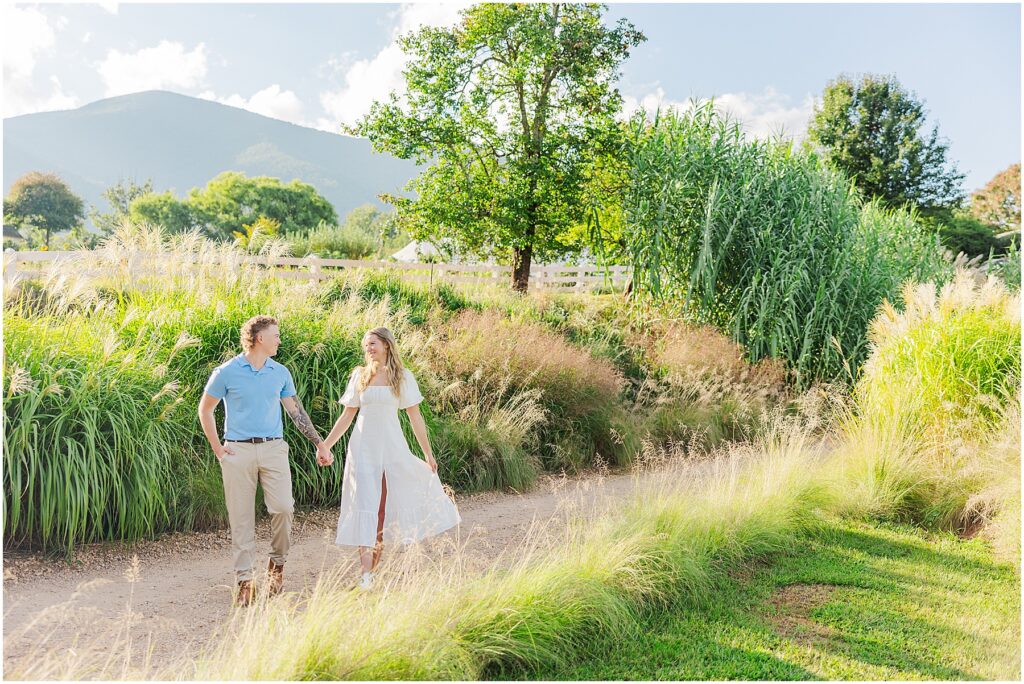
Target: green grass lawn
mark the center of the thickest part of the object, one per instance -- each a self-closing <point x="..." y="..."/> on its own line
<point x="856" y="602"/>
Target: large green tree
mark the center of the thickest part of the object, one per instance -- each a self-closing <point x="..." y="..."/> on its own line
<point x="510" y="108"/>
<point x="873" y="129"/>
<point x="43" y="201"/>
<point x="232" y="200"/>
<point x="120" y="197"/>
<point x="162" y="209"/>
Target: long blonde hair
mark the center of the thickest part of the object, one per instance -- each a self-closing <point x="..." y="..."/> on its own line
<point x="393" y="362"/>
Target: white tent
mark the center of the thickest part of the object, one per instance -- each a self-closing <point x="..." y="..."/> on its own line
<point x="415" y="251"/>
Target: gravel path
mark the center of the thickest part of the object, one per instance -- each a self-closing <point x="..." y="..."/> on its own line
<point x="183" y="587"/>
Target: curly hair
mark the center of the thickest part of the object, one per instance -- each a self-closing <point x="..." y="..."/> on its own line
<point x="253" y="327"/>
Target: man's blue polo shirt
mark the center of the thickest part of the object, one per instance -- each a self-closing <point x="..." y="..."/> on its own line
<point x="252" y="398"/>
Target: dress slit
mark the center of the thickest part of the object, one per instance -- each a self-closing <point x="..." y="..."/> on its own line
<point x="381" y="507"/>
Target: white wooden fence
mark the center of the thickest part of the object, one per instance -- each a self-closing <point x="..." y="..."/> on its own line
<point x="581" y="278"/>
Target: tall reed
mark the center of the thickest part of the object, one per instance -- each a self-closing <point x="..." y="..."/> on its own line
<point x="763" y="241"/>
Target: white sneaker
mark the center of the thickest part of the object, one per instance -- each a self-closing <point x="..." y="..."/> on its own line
<point x="367" y="581"/>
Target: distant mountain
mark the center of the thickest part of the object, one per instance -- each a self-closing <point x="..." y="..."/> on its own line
<point x="182" y="142"/>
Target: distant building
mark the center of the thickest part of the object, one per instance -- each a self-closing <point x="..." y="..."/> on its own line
<point x="12" y="235"/>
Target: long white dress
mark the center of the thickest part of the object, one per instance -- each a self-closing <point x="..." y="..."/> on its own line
<point x="416" y="505"/>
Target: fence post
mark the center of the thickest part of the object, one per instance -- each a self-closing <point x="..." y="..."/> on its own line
<point x="580" y="270"/>
<point x="10" y="266"/>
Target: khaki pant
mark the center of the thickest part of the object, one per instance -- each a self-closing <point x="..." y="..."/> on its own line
<point x="267" y="463"/>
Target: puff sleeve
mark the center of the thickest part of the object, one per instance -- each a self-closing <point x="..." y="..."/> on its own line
<point x="410" y="395"/>
<point x="351" y="396"/>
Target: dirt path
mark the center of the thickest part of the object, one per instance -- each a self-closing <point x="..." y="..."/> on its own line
<point x="183" y="587"/>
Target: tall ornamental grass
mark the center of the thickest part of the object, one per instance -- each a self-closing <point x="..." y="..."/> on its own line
<point x="763" y="242"/>
<point x="92" y="432"/>
<point x="562" y="597"/>
<point x="579" y="393"/>
<point x="941" y="385"/>
<point x="106" y="359"/>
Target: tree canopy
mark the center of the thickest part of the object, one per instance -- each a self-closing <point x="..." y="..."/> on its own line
<point x="231" y="201"/>
<point x="44" y="201"/>
<point x="873" y="130"/>
<point x="120" y="196"/>
<point x="511" y="108"/>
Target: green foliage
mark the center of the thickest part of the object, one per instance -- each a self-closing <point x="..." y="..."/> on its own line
<point x="43" y="201"/>
<point x="511" y="108"/>
<point x="942" y="383"/>
<point x="1007" y="267"/>
<point x="857" y="601"/>
<point x="163" y="210"/>
<point x="763" y="242"/>
<point x="88" y="429"/>
<point x="120" y="196"/>
<point x="367" y="232"/>
<point x="231" y="199"/>
<point x="959" y="231"/>
<point x="258" y="233"/>
<point x="948" y="363"/>
<point x="542" y="608"/>
<point x="998" y="203"/>
<point x="872" y="131"/>
<point x="333" y="242"/>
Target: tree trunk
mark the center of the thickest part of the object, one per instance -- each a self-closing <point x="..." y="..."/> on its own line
<point x="521" y="269"/>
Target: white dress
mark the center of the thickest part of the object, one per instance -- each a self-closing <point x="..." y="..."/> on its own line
<point x="416" y="506"/>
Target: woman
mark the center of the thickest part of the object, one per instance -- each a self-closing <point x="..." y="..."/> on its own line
<point x="388" y="494"/>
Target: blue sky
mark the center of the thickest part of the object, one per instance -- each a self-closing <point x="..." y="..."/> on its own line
<point x="319" y="64"/>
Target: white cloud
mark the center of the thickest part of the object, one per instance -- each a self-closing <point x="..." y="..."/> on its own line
<point x="21" y="98"/>
<point x="109" y="6"/>
<point x="167" y="65"/>
<point x="271" y="101"/>
<point x="762" y="115"/>
<point x="87" y="37"/>
<point x="367" y="80"/>
<point x="28" y="35"/>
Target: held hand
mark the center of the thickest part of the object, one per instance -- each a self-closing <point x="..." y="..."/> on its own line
<point x="224" y="450"/>
<point x="432" y="463"/>
<point x="324" y="457"/>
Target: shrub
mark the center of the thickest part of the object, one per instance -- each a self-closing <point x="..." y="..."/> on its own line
<point x="579" y="392"/>
<point x="944" y="375"/>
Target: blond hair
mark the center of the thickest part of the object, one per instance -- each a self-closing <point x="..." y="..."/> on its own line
<point x="253" y="327"/>
<point x="392" y="362"/>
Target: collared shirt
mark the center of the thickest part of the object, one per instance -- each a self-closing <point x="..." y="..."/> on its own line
<point x="252" y="398"/>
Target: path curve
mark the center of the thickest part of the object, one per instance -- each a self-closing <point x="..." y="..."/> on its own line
<point x="183" y="586"/>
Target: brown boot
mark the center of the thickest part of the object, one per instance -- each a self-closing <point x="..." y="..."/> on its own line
<point x="275" y="577"/>
<point x="245" y="594"/>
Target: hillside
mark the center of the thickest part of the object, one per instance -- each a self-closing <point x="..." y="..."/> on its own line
<point x="182" y="142"/>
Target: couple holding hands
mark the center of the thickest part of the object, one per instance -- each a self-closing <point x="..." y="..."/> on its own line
<point x="388" y="494"/>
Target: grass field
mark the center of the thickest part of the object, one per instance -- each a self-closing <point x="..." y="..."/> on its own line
<point x="858" y="601"/>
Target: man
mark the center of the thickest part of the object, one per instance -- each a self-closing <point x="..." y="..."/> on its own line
<point x="254" y="387"/>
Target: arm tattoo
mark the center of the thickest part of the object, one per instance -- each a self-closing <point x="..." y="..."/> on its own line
<point x="302" y="421"/>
